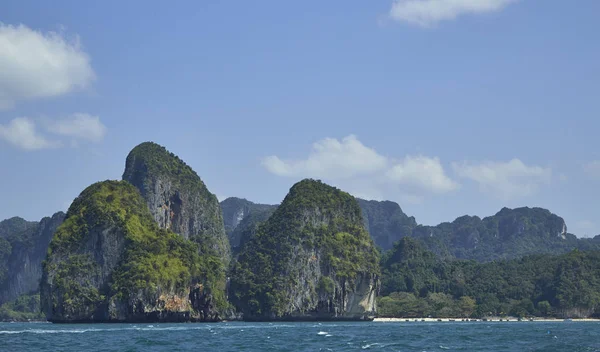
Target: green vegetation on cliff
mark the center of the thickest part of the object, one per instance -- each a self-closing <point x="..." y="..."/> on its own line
<point x="109" y="233"/>
<point x="24" y="308"/>
<point x="152" y="159"/>
<point x="108" y="203"/>
<point x="312" y="242"/>
<point x="417" y="283"/>
<point x="15" y="225"/>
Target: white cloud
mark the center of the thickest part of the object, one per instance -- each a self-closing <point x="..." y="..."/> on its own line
<point x="427" y="13"/>
<point x="362" y="171"/>
<point x="34" y="65"/>
<point x="330" y="158"/>
<point x="592" y="168"/>
<point x="21" y="132"/>
<point x="505" y="180"/>
<point x="422" y="172"/>
<point x="79" y="126"/>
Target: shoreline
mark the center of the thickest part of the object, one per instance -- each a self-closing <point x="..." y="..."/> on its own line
<point x="375" y="320"/>
<point x="492" y="319"/>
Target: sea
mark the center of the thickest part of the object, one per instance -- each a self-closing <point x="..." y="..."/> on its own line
<point x="303" y="336"/>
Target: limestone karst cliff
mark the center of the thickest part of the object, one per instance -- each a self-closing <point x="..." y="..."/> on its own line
<point x="109" y="261"/>
<point x="177" y="198"/>
<point x="312" y="259"/>
<point x="242" y="218"/>
<point x="386" y="222"/>
<point x="23" y="246"/>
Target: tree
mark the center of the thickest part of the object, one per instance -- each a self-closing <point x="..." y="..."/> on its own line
<point x="544" y="307"/>
<point x="467" y="306"/>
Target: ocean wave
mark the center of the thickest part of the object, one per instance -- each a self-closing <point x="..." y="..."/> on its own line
<point x="376" y="344"/>
<point x="211" y="329"/>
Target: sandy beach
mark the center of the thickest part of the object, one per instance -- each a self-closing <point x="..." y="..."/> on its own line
<point x="494" y="319"/>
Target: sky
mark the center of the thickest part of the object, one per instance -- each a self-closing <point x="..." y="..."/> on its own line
<point x="448" y="107"/>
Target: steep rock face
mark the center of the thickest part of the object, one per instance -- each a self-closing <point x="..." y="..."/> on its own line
<point x="23" y="266"/>
<point x="235" y="210"/>
<point x="511" y="233"/>
<point x="15" y="225"/>
<point x="109" y="261"/>
<point x="241" y="218"/>
<point x="248" y="227"/>
<point x="177" y="198"/>
<point x="10" y="230"/>
<point x="312" y="259"/>
<point x="386" y="222"/>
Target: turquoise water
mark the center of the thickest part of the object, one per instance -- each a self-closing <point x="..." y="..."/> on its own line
<point x="413" y="336"/>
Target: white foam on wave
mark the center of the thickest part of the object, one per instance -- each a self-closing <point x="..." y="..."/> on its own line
<point x="39" y="331"/>
<point x="322" y="333"/>
<point x="136" y="327"/>
<point x="79" y="331"/>
<point x="367" y="346"/>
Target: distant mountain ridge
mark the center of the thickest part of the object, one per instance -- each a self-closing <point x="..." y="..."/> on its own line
<point x="386" y="222"/>
<point x="235" y="209"/>
<point x="241" y="218"/>
<point x="508" y="234"/>
<point x="15" y="225"/>
<point x="23" y="246"/>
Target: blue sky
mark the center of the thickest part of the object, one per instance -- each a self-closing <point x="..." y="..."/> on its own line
<point x="448" y="107"/>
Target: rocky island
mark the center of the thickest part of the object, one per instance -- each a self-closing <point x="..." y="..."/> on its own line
<point x="109" y="261"/>
<point x="149" y="248"/>
<point x="157" y="247"/>
<point x="311" y="260"/>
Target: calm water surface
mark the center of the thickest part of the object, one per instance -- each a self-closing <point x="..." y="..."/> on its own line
<point x="413" y="336"/>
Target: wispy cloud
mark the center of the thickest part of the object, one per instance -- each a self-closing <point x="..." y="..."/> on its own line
<point x="422" y="172"/>
<point x="362" y="171"/>
<point x="505" y="180"/>
<point x="427" y="13"/>
<point x="79" y="126"/>
<point x="23" y="132"/>
<point x="34" y="64"/>
<point x="330" y="158"/>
